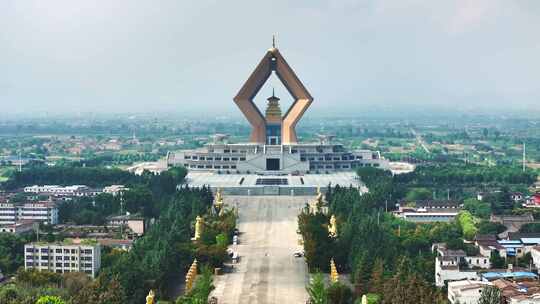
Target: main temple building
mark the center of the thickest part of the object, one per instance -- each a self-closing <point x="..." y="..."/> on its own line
<point x="274" y="148"/>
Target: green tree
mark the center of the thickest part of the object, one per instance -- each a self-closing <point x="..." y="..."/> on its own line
<point x="418" y="194"/>
<point x="496" y="260"/>
<point x="466" y="222"/>
<point x="316" y="289"/>
<point x="50" y="300"/>
<point x="490" y="295"/>
<point x="376" y="283"/>
<point x="339" y="293"/>
<point x="477" y="208"/>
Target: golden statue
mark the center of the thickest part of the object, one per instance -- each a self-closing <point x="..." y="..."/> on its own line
<point x="218" y="199"/>
<point x="332" y="228"/>
<point x="364" y="299"/>
<point x="198" y="227"/>
<point x="150" y="297"/>
<point x="334" y="275"/>
<point x="320" y="196"/>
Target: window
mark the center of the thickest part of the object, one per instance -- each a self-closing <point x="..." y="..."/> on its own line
<point x="44" y="250"/>
<point x="58" y="251"/>
<point x="58" y="258"/>
<point x="66" y="264"/>
<point x="29" y="249"/>
<point x="44" y="257"/>
<point x="225" y="159"/>
<point x="242" y="158"/>
<point x="234" y="158"/>
<point x="187" y="156"/>
<point x="58" y="264"/>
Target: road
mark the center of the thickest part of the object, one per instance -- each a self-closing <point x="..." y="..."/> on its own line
<point x="267" y="271"/>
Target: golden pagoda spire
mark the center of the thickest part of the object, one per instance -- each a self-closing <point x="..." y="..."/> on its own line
<point x="334" y="275"/>
<point x="191" y="275"/>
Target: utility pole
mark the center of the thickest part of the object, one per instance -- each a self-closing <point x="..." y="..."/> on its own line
<point x="448" y="194"/>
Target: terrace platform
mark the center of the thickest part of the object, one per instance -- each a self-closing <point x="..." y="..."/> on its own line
<point x="252" y="184"/>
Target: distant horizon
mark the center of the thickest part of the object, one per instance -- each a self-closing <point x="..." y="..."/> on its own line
<point x="313" y="112"/>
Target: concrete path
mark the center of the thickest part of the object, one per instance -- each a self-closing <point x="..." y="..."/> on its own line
<point x="267" y="271"/>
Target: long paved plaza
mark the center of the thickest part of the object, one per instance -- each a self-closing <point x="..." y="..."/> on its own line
<point x="267" y="271"/>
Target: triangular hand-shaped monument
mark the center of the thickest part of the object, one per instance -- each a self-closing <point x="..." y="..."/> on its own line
<point x="273" y="61"/>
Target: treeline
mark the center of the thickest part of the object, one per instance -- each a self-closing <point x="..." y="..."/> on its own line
<point x="68" y="175"/>
<point x="108" y="159"/>
<point x="466" y="174"/>
<point x="93" y="177"/>
<point x="385" y="255"/>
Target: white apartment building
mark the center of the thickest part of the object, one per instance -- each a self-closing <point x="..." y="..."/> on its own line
<point x="45" y="212"/>
<point x="447" y="270"/>
<point x="478" y="262"/>
<point x="466" y="291"/>
<point x="74" y="190"/>
<point x="115" y="189"/>
<point x="73" y="255"/>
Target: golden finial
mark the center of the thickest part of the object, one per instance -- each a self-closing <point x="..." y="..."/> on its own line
<point x="150" y="297"/>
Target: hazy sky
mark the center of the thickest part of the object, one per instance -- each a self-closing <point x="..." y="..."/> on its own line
<point x="163" y="56"/>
